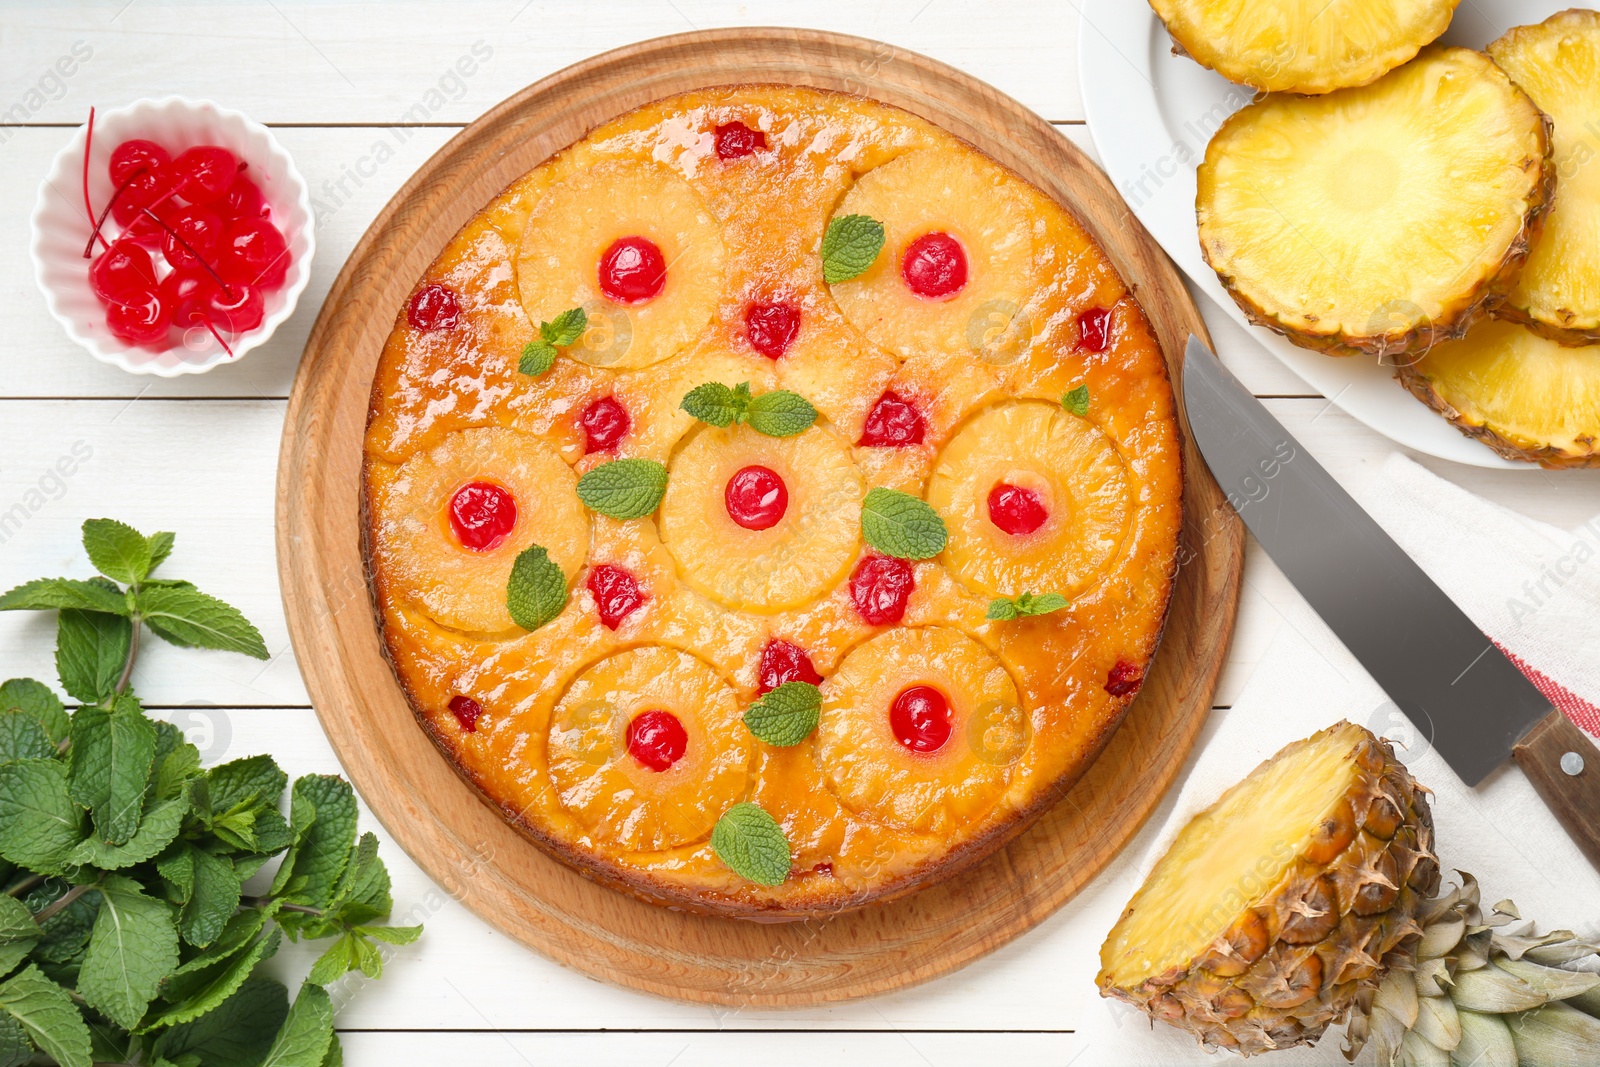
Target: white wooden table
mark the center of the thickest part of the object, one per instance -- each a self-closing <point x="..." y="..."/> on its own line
<point x="198" y="455"/>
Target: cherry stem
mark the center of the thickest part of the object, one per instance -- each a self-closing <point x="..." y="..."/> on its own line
<point x="88" y="206"/>
<point x="189" y="248"/>
<point x="218" y="336"/>
<point x="129" y="180"/>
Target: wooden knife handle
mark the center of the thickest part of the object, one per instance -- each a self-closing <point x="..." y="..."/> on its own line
<point x="1564" y="766"/>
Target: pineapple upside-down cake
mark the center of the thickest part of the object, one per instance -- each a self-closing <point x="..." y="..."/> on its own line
<point x="772" y="503"/>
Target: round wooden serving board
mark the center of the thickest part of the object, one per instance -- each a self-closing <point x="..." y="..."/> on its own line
<point x="460" y="841"/>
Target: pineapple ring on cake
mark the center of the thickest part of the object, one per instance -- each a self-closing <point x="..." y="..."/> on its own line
<point x="762" y="523"/>
<point x="1303" y="46"/>
<point x="1522" y="394"/>
<point x="637" y="248"/>
<point x="953" y="229"/>
<point x="1378" y="220"/>
<point x="1036" y="500"/>
<point x="448" y="523"/>
<point x="1558" y="64"/>
<point x="906" y="732"/>
<point x="647" y="749"/>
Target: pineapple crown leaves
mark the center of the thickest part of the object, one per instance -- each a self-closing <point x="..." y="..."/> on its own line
<point x="777" y="413"/>
<point x="624" y="488"/>
<point x="850" y="246"/>
<point x="752" y="844"/>
<point x="125" y="861"/>
<point x="1026" y="605"/>
<point x="539" y="355"/>
<point x="786" y="715"/>
<point x="901" y="525"/>
<point x="537" y="589"/>
<point x="1076" y="401"/>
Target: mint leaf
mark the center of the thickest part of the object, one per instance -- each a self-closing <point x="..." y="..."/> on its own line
<point x="213" y="900"/>
<point x="306" y="1034"/>
<point x="624" y="488"/>
<point x="751" y="843"/>
<point x="850" y="246"/>
<point x="899" y="524"/>
<point x="1026" y="605"/>
<point x="194" y="992"/>
<point x="715" y="403"/>
<point x="351" y="952"/>
<point x="133" y="947"/>
<point x="39" y="701"/>
<point x="565" y="328"/>
<point x="117" y="550"/>
<point x="325" y="806"/>
<point x="47" y="1013"/>
<point x="44" y="594"/>
<point x="391" y="935"/>
<point x="23" y="737"/>
<point x="15" y="1046"/>
<point x="781" y="414"/>
<point x="66" y="933"/>
<point x="39" y="823"/>
<point x="157" y="829"/>
<point x="112" y="753"/>
<point x="786" y="715"/>
<point x="1077" y="401"/>
<point x="160" y="548"/>
<point x="537" y="358"/>
<point x="237" y="1032"/>
<point x="18" y="933"/>
<point x="537" y="589"/>
<point x="242" y="781"/>
<point x="189" y="618"/>
<point x="91" y="650"/>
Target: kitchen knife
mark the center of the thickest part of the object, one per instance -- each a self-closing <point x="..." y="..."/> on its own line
<point x="1454" y="684"/>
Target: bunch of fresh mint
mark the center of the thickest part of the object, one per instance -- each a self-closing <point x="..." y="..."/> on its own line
<point x="126" y="933"/>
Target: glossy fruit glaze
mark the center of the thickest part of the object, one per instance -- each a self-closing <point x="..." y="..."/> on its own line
<point x="695" y="617"/>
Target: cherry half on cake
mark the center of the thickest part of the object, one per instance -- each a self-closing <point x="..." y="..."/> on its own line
<point x="771" y="328"/>
<point x="1015" y="509"/>
<point x="783" y="661"/>
<point x="466" y="710"/>
<point x="482" y="515"/>
<point x="1094" y="329"/>
<point x="657" y="739"/>
<point x="920" y="718"/>
<point x="605" y="423"/>
<point x="735" y="140"/>
<point x="434" y="307"/>
<point x="934" y="266"/>
<point x="893" y="422"/>
<point x="632" y="270"/>
<point x="756" y="498"/>
<point x="880" y="588"/>
<point x="616" y="593"/>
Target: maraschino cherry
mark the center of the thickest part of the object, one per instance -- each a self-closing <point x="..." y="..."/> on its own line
<point x="893" y="422"/>
<point x="605" y="423"/>
<point x="466" y="710"/>
<point x="1094" y="329"/>
<point x="920" y="718"/>
<point x="1124" y="678"/>
<point x="734" y="140"/>
<point x="434" y="307"/>
<point x="880" y="588"/>
<point x="1016" y="509"/>
<point x="482" y="515"/>
<point x="657" y="739"/>
<point x="934" y="266"/>
<point x="783" y="661"/>
<point x="756" y="498"/>
<point x="616" y="593"/>
<point x="771" y="328"/>
<point x="632" y="270"/>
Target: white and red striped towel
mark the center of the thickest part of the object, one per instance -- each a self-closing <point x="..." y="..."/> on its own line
<point x="1536" y="590"/>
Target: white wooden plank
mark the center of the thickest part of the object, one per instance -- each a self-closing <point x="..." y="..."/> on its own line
<point x="379" y="63"/>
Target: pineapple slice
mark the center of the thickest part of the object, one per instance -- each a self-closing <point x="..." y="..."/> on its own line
<point x="416" y="543"/>
<point x="959" y="194"/>
<point x="1383" y="219"/>
<point x="905" y="729"/>
<point x="1270" y="913"/>
<point x="1558" y="63"/>
<point x="1521" y="394"/>
<point x="763" y="566"/>
<point x="561" y="262"/>
<point x="1303" y="46"/>
<point x="608" y="738"/>
<point x="1073" y="490"/>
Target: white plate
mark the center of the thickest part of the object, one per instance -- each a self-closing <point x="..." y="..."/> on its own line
<point x="1151" y="114"/>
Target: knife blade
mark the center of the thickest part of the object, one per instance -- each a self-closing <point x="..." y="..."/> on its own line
<point x="1455" y="685"/>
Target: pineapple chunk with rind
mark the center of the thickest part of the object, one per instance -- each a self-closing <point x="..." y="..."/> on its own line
<point x="1380" y="220"/>
<point x="875" y="776"/>
<point x="418" y="552"/>
<point x="622" y="801"/>
<point x="802" y="557"/>
<point x="578" y="219"/>
<point x="1557" y="63"/>
<point x="1303" y="46"/>
<point x="1075" y="471"/>
<point x="1522" y="394"/>
<point x="957" y="192"/>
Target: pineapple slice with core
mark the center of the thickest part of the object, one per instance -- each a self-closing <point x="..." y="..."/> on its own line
<point x="1069" y="469"/>
<point x="803" y="552"/>
<point x="953" y="192"/>
<point x="1303" y="46"/>
<point x="1558" y="63"/>
<point x="605" y="774"/>
<point x="1521" y="394"/>
<point x="415" y="543"/>
<point x="1269" y="915"/>
<point x="928" y="770"/>
<point x="1382" y="219"/>
<point x="571" y="229"/>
